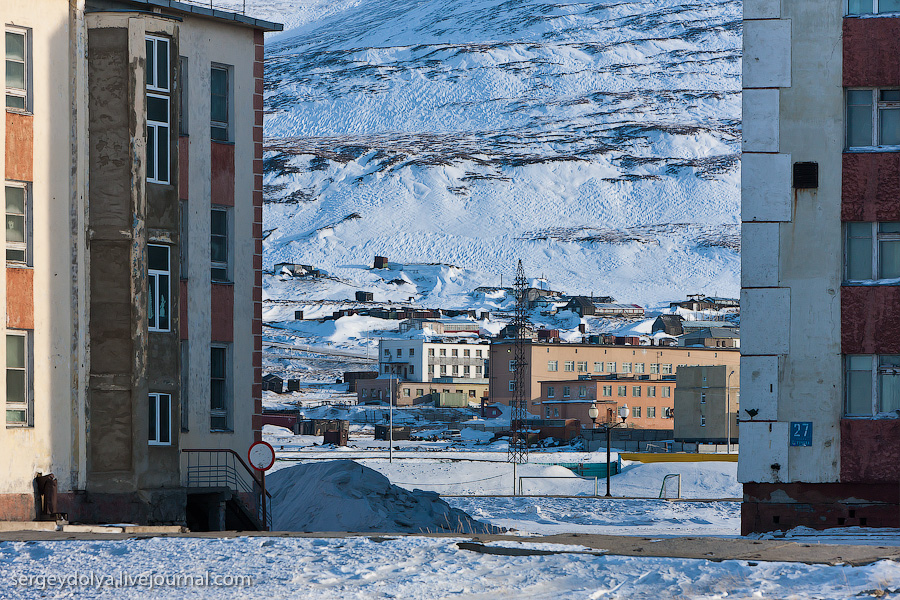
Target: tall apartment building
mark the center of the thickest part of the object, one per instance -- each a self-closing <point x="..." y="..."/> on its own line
<point x="820" y="264"/>
<point x="556" y="362"/>
<point x="132" y="284"/>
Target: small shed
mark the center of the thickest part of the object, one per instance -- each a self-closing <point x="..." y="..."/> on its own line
<point x="273" y="383"/>
<point x="400" y="432"/>
<point x="381" y="262"/>
<point x="364" y="296"/>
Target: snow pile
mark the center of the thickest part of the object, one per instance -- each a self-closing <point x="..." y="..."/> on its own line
<point x="342" y="495"/>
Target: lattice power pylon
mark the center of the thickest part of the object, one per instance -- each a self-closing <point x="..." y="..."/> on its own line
<point x="518" y="443"/>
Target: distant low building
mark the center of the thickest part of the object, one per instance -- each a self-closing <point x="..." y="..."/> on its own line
<point x="711" y="337"/>
<point x="588" y="307"/>
<point x="670" y="324"/>
<point x="295" y="270"/>
<point x="698" y="302"/>
<point x="440" y="326"/>
<point x="707" y="402"/>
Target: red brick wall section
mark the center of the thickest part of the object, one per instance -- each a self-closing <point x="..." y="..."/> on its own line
<point x="870" y="451"/>
<point x="774" y="506"/>
<point x="222" y="301"/>
<point x="870" y="319"/>
<point x="20" y="298"/>
<point x="19" y="147"/>
<point x="18" y="507"/>
<point x="871" y="47"/>
<point x="257" y="231"/>
<point x="222" y="174"/>
<point x="871" y="186"/>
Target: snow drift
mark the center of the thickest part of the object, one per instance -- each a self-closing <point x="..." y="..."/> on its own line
<point x="342" y="495"/>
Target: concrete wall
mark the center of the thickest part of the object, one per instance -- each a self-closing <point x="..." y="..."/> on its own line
<point x="710" y="392"/>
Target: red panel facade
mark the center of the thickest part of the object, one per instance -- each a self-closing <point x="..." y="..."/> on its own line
<point x="870" y="319"/>
<point x="870" y="451"/>
<point x="222" y="174"/>
<point x="871" y="47"/>
<point x="19" y="146"/>
<point x="871" y="186"/>
<point x="222" y="304"/>
<point x="19" y="298"/>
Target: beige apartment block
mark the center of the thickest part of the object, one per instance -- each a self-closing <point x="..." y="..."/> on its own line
<point x="707" y="404"/>
<point x="133" y="180"/>
<point x="558" y="361"/>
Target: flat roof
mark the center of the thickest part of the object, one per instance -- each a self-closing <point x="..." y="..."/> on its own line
<point x="207" y="9"/>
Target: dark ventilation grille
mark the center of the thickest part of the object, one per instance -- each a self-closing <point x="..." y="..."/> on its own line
<point x="806" y="175"/>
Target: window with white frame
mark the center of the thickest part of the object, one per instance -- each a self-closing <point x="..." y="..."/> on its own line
<point x="873" y="117"/>
<point x="512" y="386"/>
<point x="478" y="354"/>
<point x="622" y="391"/>
<point x="17" y="68"/>
<point x="607" y="391"/>
<point x="654" y="368"/>
<point x="651" y="412"/>
<point x="582" y="366"/>
<point x="16" y="223"/>
<point x="218" y="246"/>
<point x="466" y="371"/>
<point x="551" y="392"/>
<point x="666" y="392"/>
<point x="666" y="369"/>
<point x="872" y="7"/>
<point x="636" y="391"/>
<point x="478" y="369"/>
<point x="636" y="412"/>
<point x="598" y="367"/>
<point x="454" y="352"/>
<point x="220" y="103"/>
<point x="443" y="352"/>
<point x="569" y="366"/>
<point x="567" y="391"/>
<point x="872" y="384"/>
<point x="626" y="367"/>
<point x="651" y="391"/>
<point x="159" y="311"/>
<point x="18" y="379"/>
<point x="582" y="391"/>
<point x="431" y="352"/>
<point x="871" y="251"/>
<point x="610" y="367"/>
<point x="552" y="366"/>
<point x="158" y="109"/>
<point x="455" y="370"/>
<point x="638" y="367"/>
<point x="220" y="388"/>
<point x="702" y="421"/>
<point x="160" y="433"/>
<point x="702" y="397"/>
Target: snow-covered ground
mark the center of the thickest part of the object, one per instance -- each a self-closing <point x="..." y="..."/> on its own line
<point x="409" y="568"/>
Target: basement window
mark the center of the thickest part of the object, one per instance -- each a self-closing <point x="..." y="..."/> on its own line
<point x="872" y="252"/>
<point x="872" y="384"/>
<point x="873" y="118"/>
<point x="872" y="7"/>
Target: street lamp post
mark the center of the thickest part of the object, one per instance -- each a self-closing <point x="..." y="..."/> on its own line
<point x="610" y="424"/>
<point x="728" y="412"/>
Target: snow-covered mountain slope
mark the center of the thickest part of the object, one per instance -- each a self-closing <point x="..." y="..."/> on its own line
<point x="597" y="140"/>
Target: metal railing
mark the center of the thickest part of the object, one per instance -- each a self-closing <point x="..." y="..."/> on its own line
<point x="212" y="468"/>
<point x="239" y="7"/>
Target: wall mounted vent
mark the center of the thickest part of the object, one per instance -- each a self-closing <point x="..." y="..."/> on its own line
<point x="806" y="175"/>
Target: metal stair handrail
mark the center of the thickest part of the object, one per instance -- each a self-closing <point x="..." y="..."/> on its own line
<point x="222" y="470"/>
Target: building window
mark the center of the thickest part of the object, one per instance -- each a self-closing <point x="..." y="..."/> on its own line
<point x="567" y="391"/>
<point x="512" y="386"/>
<point x="454" y="352"/>
<point x="219" y="103"/>
<point x="183" y="103"/>
<point x="420" y="392"/>
<point x="702" y="398"/>
<point x="512" y="366"/>
<point x="478" y="353"/>
<point x="668" y="412"/>
<point x="651" y="391"/>
<point x="159" y="275"/>
<point x="548" y="411"/>
<point x="666" y="392"/>
<point x="623" y="390"/>
<point x="406" y="392"/>
<point x="158" y="109"/>
<point x="466" y="371"/>
<point x="871" y="251"/>
<point x="638" y="367"/>
<point x="654" y="368"/>
<point x="702" y="421"/>
<point x="626" y="367"/>
<point x="399" y="352"/>
<point x="607" y="391"/>
<point x="467" y="353"/>
<point x="598" y="367"/>
<point x="651" y="412"/>
<point x="667" y="369"/>
<point x="551" y="392"/>
<point x="872" y="384"/>
<point x="18" y="379"/>
<point x="873" y="118"/>
<point x="443" y="369"/>
<point x="455" y="370"/>
<point x="582" y="391"/>
<point x="185" y="384"/>
<point x="610" y="367"/>
<point x="218" y="246"/>
<point x="219" y="389"/>
<point x="17" y="71"/>
<point x="387" y="353"/>
<point x="582" y="367"/>
<point x="431" y="352"/>
<point x="636" y="412"/>
<point x="870" y="7"/>
<point x="636" y="391"/>
<point x="412" y="369"/>
<point x="569" y="366"/>
<point x="160" y="433"/>
<point x="478" y="369"/>
<point x="443" y="352"/>
<point x="552" y="366"/>
<point x="365" y="393"/>
<point x="16" y="224"/>
<point x="555" y="411"/>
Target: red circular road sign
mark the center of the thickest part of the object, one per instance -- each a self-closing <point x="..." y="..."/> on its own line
<point x="261" y="456"/>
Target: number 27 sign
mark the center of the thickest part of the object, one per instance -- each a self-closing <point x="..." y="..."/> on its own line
<point x="801" y="433"/>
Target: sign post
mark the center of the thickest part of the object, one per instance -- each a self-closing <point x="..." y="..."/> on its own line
<point x="262" y="456"/>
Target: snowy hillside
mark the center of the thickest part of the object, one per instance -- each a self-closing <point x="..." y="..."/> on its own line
<point x="598" y="141"/>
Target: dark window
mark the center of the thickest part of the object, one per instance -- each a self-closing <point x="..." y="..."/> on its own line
<point x="218" y="244"/>
<point x="218" y="388"/>
<point x="218" y="102"/>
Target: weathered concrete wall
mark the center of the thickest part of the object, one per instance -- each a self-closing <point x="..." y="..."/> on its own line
<point x="721" y="399"/>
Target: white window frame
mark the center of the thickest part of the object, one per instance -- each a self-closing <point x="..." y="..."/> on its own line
<point x="567" y="391"/>
<point x="875" y="238"/>
<point x="159" y="141"/>
<point x="154" y="275"/>
<point x="654" y="368"/>
<point x="551" y="391"/>
<point x="154" y="42"/>
<point x="581" y="366"/>
<point x="610" y="367"/>
<point x="552" y="366"/>
<point x="651" y="391"/>
<point x="636" y="412"/>
<point x="635" y="391"/>
<point x="24" y="246"/>
<point x="28" y="404"/>
<point x="666" y="369"/>
<point x="23" y="93"/>
<point x="512" y="386"/>
<point x="160" y="403"/>
<point x="229" y="103"/>
<point x="877" y="370"/>
<point x="702" y="421"/>
<point x="227" y="410"/>
<point x="607" y="391"/>
<point x="638" y="367"/>
<point x="217" y="265"/>
<point x="598" y="367"/>
<point x="877" y="107"/>
<point x="161" y="90"/>
<point x="666" y="392"/>
<point x="876" y="8"/>
<point x="651" y="412"/>
<point x="569" y="366"/>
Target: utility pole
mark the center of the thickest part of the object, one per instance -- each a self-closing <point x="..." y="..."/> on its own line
<point x="518" y="443"/>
